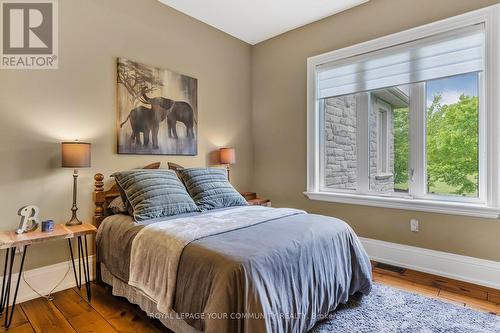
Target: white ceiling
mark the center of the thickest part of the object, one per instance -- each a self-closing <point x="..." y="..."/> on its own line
<point x="256" y="20"/>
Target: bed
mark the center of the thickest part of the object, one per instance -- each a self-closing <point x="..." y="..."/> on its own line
<point x="237" y="269"/>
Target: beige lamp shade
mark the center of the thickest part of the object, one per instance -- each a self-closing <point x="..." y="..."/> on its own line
<point x="75" y="154"/>
<point x="227" y="156"/>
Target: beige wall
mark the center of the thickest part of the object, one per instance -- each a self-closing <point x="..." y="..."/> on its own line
<point x="279" y="125"/>
<point x="39" y="109"/>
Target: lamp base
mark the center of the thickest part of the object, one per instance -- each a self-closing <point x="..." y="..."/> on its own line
<point x="74" y="221"/>
<point x="227" y="170"/>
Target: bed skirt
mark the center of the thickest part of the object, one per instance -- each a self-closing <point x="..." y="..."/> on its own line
<point x="119" y="288"/>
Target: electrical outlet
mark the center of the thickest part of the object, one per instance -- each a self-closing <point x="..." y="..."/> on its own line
<point x="414" y="225"/>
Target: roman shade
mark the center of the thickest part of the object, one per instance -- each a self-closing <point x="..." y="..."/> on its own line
<point x="455" y="52"/>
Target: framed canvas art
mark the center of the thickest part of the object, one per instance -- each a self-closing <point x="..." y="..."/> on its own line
<point x="157" y="110"/>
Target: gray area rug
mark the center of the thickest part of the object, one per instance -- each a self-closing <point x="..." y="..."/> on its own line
<point x="388" y="309"/>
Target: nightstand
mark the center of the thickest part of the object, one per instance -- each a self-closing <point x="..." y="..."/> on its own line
<point x="253" y="200"/>
<point x="9" y="240"/>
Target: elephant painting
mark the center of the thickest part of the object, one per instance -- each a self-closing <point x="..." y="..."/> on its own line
<point x="157" y="111"/>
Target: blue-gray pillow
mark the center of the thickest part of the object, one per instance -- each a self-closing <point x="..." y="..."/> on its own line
<point x="154" y="193"/>
<point x="210" y="188"/>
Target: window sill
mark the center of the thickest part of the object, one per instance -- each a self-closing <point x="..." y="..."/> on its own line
<point x="443" y="207"/>
<point x="383" y="176"/>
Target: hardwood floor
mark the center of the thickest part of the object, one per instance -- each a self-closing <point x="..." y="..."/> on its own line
<point x="439" y="282"/>
<point x="68" y="312"/>
<point x="438" y="293"/>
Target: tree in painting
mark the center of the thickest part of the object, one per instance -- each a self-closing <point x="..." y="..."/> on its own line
<point x="157" y="110"/>
<point x="138" y="79"/>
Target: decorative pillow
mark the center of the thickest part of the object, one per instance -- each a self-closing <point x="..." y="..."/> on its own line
<point x="210" y="188"/>
<point x="128" y="207"/>
<point x="154" y="193"/>
<point x="117" y="206"/>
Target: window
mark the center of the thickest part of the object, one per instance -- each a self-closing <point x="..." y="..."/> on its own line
<point x="403" y="121"/>
<point x="452" y="138"/>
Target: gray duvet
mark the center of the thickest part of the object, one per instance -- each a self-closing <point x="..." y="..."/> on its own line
<point x="280" y="275"/>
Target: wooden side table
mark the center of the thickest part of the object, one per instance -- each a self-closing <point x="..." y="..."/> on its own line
<point x="9" y="240"/>
<point x="251" y="198"/>
<point x="259" y="202"/>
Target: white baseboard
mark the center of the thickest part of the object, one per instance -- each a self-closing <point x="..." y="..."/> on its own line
<point x="474" y="270"/>
<point x="45" y="278"/>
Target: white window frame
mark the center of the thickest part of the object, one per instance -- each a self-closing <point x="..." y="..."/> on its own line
<point x="488" y="205"/>
<point x="383" y="125"/>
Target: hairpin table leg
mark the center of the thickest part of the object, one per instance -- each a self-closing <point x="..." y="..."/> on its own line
<point x="2" y="303"/>
<point x="80" y="250"/>
<point x="73" y="262"/>
<point x="6" y="297"/>
<point x="83" y="254"/>
<point x="8" y="318"/>
<point x="87" y="280"/>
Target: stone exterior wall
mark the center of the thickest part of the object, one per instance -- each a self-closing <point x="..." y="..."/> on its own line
<point x="340" y="160"/>
<point x="340" y="143"/>
<point x="380" y="182"/>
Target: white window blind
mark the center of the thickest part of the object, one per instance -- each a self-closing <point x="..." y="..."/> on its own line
<point x="446" y="54"/>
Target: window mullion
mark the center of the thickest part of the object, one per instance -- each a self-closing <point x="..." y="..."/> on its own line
<point x="320" y="174"/>
<point x="364" y="103"/>
<point x="417" y="172"/>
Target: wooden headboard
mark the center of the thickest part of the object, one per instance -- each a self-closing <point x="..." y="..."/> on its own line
<point x="102" y="197"/>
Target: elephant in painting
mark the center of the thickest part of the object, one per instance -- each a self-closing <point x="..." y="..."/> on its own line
<point x="141" y="119"/>
<point x="174" y="111"/>
<point x="146" y="121"/>
<point x="182" y="112"/>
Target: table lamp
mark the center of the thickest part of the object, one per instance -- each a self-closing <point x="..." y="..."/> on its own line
<point x="75" y="155"/>
<point x="227" y="157"/>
